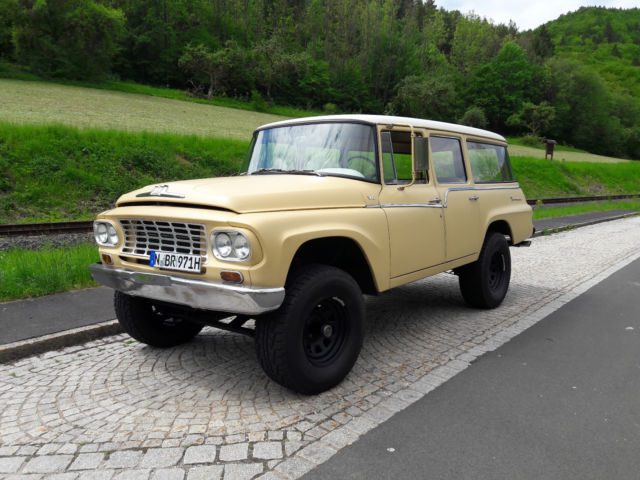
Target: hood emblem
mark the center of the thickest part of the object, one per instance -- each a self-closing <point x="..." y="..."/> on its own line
<point x="160" y="191"/>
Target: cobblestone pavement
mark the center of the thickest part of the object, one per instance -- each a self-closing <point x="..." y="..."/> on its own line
<point x="116" y="409"/>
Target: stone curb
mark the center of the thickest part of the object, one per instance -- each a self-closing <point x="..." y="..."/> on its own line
<point x="34" y="346"/>
<point x="540" y="233"/>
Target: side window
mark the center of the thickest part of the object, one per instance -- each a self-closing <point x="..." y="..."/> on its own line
<point x="489" y="163"/>
<point x="447" y="159"/>
<point x="396" y="157"/>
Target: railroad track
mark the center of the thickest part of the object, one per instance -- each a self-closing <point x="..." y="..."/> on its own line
<point x="55" y="228"/>
<point x="12" y="230"/>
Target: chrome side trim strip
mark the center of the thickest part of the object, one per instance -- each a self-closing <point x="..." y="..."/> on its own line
<point x="218" y="297"/>
<point x="446" y="196"/>
<point x="458" y="189"/>
<point x="403" y="205"/>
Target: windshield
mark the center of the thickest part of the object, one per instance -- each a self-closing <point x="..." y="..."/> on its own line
<point x="337" y="149"/>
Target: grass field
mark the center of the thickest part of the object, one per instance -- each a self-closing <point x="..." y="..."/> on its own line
<point x="40" y="103"/>
<point x="561" y="155"/>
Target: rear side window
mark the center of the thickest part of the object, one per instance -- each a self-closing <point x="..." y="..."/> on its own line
<point x="447" y="159"/>
<point x="489" y="163"/>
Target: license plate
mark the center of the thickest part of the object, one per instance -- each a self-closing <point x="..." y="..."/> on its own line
<point x="176" y="261"/>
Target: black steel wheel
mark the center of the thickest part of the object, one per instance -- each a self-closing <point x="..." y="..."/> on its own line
<point x="325" y="331"/>
<point x="312" y="341"/>
<point x="485" y="282"/>
<point x="147" y="323"/>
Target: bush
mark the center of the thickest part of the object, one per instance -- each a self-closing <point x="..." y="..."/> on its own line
<point x="258" y="102"/>
<point x="532" y="141"/>
<point x="474" y="117"/>
<point x="330" y="108"/>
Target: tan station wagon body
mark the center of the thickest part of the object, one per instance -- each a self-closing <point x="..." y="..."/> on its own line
<point x="386" y="200"/>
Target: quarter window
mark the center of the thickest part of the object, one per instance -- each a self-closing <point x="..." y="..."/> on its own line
<point x="489" y="163"/>
<point x="447" y="159"/>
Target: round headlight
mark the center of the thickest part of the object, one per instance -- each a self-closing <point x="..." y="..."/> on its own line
<point x="101" y="234"/>
<point x="112" y="234"/>
<point x="241" y="247"/>
<point x="223" y="244"/>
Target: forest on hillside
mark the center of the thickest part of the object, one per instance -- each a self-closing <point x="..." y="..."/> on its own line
<point x="576" y="79"/>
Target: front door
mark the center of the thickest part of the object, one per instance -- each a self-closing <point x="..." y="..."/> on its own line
<point x="414" y="216"/>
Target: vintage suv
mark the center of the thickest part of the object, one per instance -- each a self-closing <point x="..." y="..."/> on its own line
<point x="326" y="209"/>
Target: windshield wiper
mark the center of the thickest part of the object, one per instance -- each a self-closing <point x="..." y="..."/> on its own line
<point x="280" y="170"/>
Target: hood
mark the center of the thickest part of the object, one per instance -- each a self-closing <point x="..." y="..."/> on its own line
<point x="259" y="193"/>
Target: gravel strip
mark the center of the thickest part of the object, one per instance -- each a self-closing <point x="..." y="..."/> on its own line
<point x="35" y="242"/>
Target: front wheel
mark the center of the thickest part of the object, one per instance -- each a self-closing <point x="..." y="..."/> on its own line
<point x="313" y="340"/>
<point x="148" y="324"/>
<point x="485" y="282"/>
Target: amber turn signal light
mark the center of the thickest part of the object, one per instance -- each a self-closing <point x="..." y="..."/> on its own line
<point x="231" y="277"/>
<point x="107" y="259"/>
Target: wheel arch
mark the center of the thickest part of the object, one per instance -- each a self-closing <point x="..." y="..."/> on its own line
<point x="338" y="251"/>
<point x="500" y="226"/>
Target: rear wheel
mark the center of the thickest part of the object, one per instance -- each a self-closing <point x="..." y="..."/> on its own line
<point x="312" y="341"/>
<point x="484" y="283"/>
<point x="147" y="323"/>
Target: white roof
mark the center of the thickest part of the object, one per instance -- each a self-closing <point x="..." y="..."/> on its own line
<point x="388" y="119"/>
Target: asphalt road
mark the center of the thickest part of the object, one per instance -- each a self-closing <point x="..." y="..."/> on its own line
<point x="559" y="401"/>
<point x="34" y="317"/>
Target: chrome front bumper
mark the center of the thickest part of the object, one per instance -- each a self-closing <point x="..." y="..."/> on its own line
<point x="185" y="291"/>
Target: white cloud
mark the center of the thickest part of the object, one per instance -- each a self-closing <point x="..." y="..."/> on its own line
<point x="528" y="14"/>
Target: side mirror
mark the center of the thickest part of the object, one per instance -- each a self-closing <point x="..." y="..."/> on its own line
<point x="421" y="154"/>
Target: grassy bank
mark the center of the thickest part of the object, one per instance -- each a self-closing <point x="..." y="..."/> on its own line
<point x="540" y="178"/>
<point x="29" y="273"/>
<point x="551" y="212"/>
<point x="54" y="173"/>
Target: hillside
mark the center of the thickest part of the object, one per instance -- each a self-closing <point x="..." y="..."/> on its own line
<point x="578" y="74"/>
<point x="606" y="39"/>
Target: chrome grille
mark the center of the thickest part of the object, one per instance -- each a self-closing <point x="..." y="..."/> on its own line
<point x="142" y="236"/>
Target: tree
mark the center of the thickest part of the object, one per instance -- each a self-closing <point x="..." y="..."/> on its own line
<point x="536" y="118"/>
<point x="474" y="43"/>
<point x="8" y="12"/>
<point x="501" y="86"/>
<point x="156" y="34"/>
<point x="542" y="44"/>
<point x="199" y="60"/>
<point x="68" y="38"/>
<point x="584" y="113"/>
<point x="427" y="97"/>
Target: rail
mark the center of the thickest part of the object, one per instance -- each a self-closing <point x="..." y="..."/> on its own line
<point x="55" y="228"/>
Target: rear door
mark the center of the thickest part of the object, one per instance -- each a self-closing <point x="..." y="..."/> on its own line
<point x="463" y="236"/>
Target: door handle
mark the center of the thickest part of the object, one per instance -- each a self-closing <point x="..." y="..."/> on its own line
<point x="435" y="200"/>
<point x="475" y="197"/>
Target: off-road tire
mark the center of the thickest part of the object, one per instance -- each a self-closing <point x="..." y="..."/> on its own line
<point x="313" y="340"/>
<point x="141" y="319"/>
<point x="484" y="283"/>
